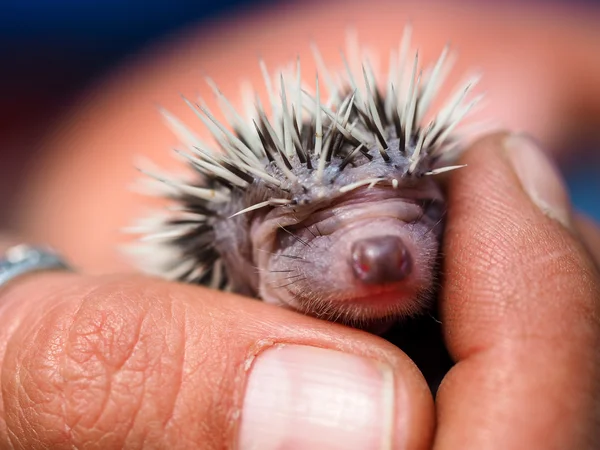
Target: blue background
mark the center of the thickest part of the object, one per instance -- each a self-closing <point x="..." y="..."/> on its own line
<point x="51" y="49"/>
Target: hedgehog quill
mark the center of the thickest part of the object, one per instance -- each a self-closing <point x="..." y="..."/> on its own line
<point x="329" y="204"/>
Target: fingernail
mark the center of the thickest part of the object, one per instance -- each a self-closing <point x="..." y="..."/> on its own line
<point x="300" y="397"/>
<point x="539" y="177"/>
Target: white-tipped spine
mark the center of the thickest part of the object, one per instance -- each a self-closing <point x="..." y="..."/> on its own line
<point x="287" y="122"/>
<point x="318" y="120"/>
<point x="273" y="152"/>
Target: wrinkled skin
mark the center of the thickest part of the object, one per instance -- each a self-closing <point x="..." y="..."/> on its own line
<point x="519" y="308"/>
<point x="367" y="255"/>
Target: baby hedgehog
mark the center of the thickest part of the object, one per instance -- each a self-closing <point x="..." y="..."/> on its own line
<point x="328" y="205"/>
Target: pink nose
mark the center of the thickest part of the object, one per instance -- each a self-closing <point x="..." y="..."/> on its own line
<point x="380" y="259"/>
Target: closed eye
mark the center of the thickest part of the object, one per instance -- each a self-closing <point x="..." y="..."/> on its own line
<point x="434" y="209"/>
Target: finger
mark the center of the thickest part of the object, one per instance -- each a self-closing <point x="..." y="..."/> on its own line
<point x="520" y="308"/>
<point x="123" y="362"/>
<point x="590" y="233"/>
<point x="11" y="316"/>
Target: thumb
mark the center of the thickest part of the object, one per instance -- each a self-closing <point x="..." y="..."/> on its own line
<point x="129" y="362"/>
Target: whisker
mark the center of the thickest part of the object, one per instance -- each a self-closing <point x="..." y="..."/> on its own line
<point x="285" y="278"/>
<point x="437" y="223"/>
<point x="297" y="258"/>
<point x="310" y="231"/>
<point x="289" y="284"/>
<point x="294" y="236"/>
<point x="435" y="319"/>
<point x="318" y="231"/>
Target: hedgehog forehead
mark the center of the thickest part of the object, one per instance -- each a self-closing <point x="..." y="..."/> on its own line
<point x="363" y="172"/>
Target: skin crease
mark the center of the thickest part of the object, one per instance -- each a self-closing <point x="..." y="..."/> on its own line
<point x="520" y="305"/>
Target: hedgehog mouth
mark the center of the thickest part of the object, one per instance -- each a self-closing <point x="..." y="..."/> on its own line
<point x="377" y="298"/>
<point x="323" y="283"/>
<point x="365" y="309"/>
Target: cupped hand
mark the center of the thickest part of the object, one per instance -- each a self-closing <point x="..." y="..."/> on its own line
<point x="125" y="361"/>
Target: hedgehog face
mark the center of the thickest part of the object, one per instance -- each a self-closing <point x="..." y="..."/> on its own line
<point x="366" y="256"/>
<point x="327" y="204"/>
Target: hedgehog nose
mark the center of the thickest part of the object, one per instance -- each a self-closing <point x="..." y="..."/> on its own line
<point x="380" y="259"/>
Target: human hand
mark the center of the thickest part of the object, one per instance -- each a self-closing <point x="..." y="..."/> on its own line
<point x="126" y="361"/>
<point x="129" y="361"/>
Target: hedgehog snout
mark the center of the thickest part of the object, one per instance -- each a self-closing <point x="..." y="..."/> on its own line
<point x="380" y="260"/>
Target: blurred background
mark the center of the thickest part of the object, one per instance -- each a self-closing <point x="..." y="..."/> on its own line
<point x="51" y="50"/>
